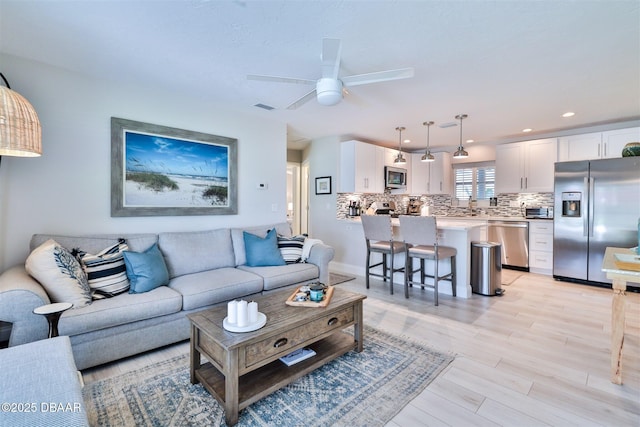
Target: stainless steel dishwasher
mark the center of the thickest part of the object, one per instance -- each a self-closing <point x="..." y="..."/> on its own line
<point x="514" y="238"/>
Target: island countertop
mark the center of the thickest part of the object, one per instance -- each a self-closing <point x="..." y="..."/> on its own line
<point x="459" y="223"/>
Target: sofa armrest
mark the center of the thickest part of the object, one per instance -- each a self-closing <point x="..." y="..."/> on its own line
<point x="321" y="255"/>
<point x="19" y="295"/>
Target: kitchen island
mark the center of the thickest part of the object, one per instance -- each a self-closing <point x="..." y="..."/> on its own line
<point x="457" y="233"/>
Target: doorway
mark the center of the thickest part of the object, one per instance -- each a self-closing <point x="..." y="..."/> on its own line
<point x="293" y="197"/>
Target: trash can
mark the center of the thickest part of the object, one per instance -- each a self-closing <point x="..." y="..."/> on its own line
<point x="486" y="268"/>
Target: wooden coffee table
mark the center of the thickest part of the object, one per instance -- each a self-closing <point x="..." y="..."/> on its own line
<point x="243" y="368"/>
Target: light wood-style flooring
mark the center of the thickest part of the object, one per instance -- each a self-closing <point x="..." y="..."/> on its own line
<point x="539" y="355"/>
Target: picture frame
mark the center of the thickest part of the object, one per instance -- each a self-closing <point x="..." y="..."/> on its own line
<point x="162" y="171"/>
<point x="323" y="185"/>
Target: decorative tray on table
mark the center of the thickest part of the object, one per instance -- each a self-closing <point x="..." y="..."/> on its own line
<point x="326" y="298"/>
<point x="627" y="261"/>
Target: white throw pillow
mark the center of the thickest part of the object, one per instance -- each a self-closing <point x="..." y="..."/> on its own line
<point x="59" y="273"/>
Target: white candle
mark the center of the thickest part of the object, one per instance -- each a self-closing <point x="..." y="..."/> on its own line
<point x="253" y="312"/>
<point x="232" y="311"/>
<point x="243" y="318"/>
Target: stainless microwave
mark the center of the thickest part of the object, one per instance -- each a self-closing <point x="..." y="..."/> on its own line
<point x="395" y="177"/>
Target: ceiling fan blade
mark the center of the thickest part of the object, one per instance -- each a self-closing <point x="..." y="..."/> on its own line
<point x="303" y="100"/>
<point x="280" y="79"/>
<point x="331" y="51"/>
<point x="379" y="76"/>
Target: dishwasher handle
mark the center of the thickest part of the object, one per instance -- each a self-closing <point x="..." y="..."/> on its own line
<point x="509" y="225"/>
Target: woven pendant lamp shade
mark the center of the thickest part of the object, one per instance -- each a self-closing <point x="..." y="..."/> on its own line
<point x="20" y="130"/>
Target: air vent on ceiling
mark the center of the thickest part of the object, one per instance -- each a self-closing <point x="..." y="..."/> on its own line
<point x="448" y="125"/>
<point x="265" y="107"/>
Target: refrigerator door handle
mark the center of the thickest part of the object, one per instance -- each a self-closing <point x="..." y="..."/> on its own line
<point x="585" y="203"/>
<point x="592" y="195"/>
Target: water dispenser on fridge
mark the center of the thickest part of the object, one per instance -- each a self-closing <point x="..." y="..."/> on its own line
<point x="571" y="202"/>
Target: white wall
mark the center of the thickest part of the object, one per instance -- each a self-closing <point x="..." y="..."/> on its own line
<point x="346" y="238"/>
<point x="68" y="189"/>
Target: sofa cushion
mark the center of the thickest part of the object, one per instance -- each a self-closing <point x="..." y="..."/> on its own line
<point x="280" y="276"/>
<point x="237" y="237"/>
<point x="59" y="273"/>
<point x="146" y="270"/>
<point x="106" y="270"/>
<point x="215" y="286"/>
<point x="262" y="251"/>
<point x="192" y="252"/>
<point x="95" y="243"/>
<point x="291" y="248"/>
<point x="119" y="310"/>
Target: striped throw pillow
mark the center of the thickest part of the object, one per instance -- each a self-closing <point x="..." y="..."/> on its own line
<point x="106" y="271"/>
<point x="291" y="248"/>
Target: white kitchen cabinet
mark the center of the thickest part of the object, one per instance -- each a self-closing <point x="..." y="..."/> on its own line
<point x="526" y="167"/>
<point x="613" y="141"/>
<point x="541" y="247"/>
<point x="419" y="178"/>
<point x="586" y="146"/>
<point x="440" y="175"/>
<point x="430" y="177"/>
<point x="598" y="145"/>
<point x="390" y="155"/>
<point x="361" y="168"/>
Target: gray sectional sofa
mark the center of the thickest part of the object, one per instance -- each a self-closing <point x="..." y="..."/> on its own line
<point x="205" y="268"/>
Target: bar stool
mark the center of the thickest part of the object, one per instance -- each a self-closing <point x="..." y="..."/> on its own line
<point x="420" y="235"/>
<point x="378" y="234"/>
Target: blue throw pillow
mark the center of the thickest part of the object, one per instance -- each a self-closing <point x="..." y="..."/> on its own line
<point x="262" y="252"/>
<point x="146" y="270"/>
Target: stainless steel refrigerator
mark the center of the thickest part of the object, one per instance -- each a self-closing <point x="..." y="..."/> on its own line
<point x="596" y="205"/>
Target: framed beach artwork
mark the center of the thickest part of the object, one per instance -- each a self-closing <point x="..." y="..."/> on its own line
<point x="162" y="171"/>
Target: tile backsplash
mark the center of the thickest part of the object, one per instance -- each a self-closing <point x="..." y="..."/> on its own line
<point x="441" y="203"/>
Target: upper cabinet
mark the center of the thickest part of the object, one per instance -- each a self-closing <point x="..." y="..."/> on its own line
<point x="432" y="177"/>
<point x="361" y="168"/>
<point x="526" y="167"/>
<point x="599" y="145"/>
<point x="419" y="178"/>
<point x="440" y="174"/>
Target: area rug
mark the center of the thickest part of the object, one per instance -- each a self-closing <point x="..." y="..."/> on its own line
<point x="357" y="389"/>
<point x="510" y="276"/>
<point x="335" y="278"/>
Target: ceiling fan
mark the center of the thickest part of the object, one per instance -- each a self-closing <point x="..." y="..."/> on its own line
<point x="329" y="88"/>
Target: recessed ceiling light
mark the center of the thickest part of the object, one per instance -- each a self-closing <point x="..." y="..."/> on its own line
<point x="527" y="130"/>
<point x="569" y="114"/>
<point x="406" y="141"/>
<point x="470" y="140"/>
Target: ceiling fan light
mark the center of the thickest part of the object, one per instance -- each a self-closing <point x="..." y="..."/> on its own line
<point x="329" y="91"/>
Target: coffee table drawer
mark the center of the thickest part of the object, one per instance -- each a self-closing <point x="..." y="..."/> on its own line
<point x="281" y="344"/>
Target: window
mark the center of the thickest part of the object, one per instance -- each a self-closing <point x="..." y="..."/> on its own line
<point x="475" y="182"/>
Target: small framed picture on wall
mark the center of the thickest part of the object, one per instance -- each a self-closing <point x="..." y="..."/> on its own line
<point x="323" y="185"/>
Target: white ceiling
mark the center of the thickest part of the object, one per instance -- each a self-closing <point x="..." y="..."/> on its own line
<point x="509" y="65"/>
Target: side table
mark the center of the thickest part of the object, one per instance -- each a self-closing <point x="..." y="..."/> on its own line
<point x="620" y="277"/>
<point x="53" y="312"/>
